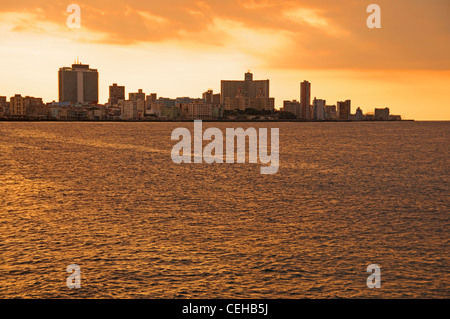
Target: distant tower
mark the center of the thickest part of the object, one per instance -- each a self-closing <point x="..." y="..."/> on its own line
<point x="305" y="100"/>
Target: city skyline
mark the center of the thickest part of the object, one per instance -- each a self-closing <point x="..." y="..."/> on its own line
<point x="78" y="87"/>
<point x="186" y="47"/>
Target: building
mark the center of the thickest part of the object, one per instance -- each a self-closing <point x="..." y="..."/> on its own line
<point x="243" y="103"/>
<point x="149" y="99"/>
<point x="78" y="84"/>
<point x="305" y="101"/>
<point x="140" y="95"/>
<point x="166" y="101"/>
<point x="293" y="107"/>
<point x="197" y="110"/>
<point x="158" y="105"/>
<point x="4" y="109"/>
<point x="16" y="105"/>
<point x="330" y="112"/>
<point x="382" y="114"/>
<point x="208" y="96"/>
<point x="247" y="88"/>
<point x="319" y="109"/>
<point x="395" y="117"/>
<point x="211" y="98"/>
<point x="132" y="109"/>
<point x="171" y="113"/>
<point x="34" y="107"/>
<point x="247" y="94"/>
<point x="156" y="108"/>
<point x="358" y="115"/>
<point x="116" y="93"/>
<point x="343" y="110"/>
<point x="216" y="99"/>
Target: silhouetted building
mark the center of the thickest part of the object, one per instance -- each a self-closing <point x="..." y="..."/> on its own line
<point x="330" y="112"/>
<point x="343" y="110"/>
<point x="359" y="115"/>
<point x="78" y="84"/>
<point x="3" y="106"/>
<point x="305" y="100"/>
<point x="382" y="114"/>
<point x="116" y="93"/>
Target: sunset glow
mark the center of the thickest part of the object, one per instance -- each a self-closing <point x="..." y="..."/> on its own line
<point x="182" y="48"/>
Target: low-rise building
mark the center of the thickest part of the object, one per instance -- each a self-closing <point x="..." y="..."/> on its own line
<point x="382" y="114"/>
<point x="197" y="110"/>
<point x="293" y="107"/>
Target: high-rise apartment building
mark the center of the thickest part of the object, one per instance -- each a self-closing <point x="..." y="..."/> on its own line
<point x="305" y="100"/>
<point x="116" y="93"/>
<point x="78" y="84"/>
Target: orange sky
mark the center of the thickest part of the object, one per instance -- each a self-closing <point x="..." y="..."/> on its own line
<point x="183" y="47"/>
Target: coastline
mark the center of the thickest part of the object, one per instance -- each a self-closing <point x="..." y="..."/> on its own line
<point x="206" y="121"/>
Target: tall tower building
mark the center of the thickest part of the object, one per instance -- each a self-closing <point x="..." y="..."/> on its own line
<point x="305" y="100"/>
<point x="78" y="84"/>
<point x="116" y="93"/>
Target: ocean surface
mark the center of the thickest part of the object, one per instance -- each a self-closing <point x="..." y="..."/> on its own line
<point x="107" y="197"/>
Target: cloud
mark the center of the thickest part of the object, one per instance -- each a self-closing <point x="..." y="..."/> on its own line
<point x="280" y="34"/>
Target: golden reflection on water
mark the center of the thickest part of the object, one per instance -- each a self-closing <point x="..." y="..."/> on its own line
<point x="106" y="196"/>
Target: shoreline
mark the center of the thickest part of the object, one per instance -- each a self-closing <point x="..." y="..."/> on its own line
<point x="206" y="121"/>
